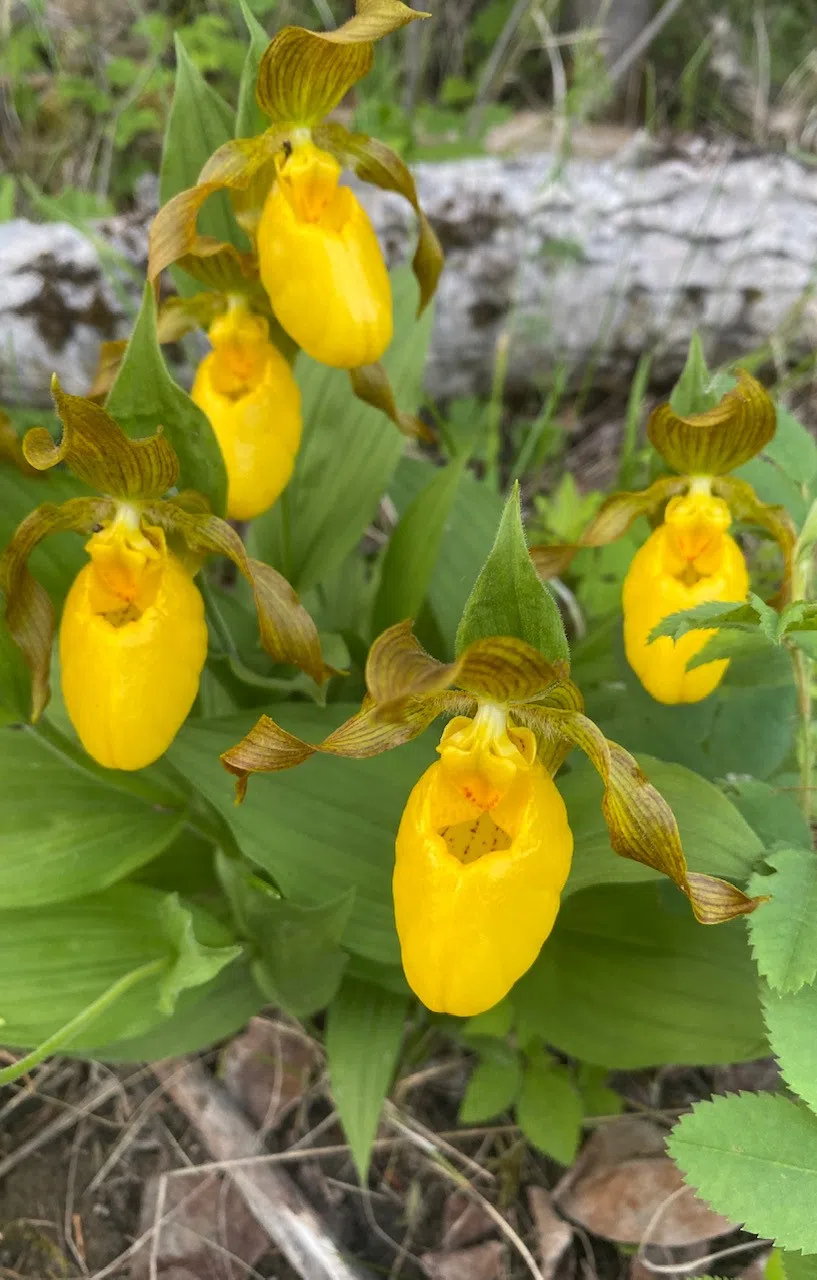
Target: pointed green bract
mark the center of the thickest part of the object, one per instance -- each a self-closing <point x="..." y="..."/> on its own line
<point x="195" y="963"/>
<point x="364" y="1031"/>
<point x="508" y="598"/>
<point x="692" y="392"/>
<point x="145" y="396"/>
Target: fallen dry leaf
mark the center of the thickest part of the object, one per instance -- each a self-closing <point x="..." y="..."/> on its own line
<point x="464" y="1221"/>
<point x="623" y="1188"/>
<point x="207" y="1216"/>
<point x="483" y="1262"/>
<point x="554" y="1236"/>
<point x="266" y="1069"/>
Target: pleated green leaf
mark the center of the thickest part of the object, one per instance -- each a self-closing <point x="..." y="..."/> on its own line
<point x="626" y="981"/>
<point x="65" y="833"/>
<point x="56" y="960"/>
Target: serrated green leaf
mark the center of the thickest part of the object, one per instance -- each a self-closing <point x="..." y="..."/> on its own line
<point x="712" y="613"/>
<point x="753" y="1157"/>
<point x="784" y="931"/>
<point x="81" y="833"/>
<point x="790" y="1022"/>
<point x="198" y="123"/>
<point x="492" y="1088"/>
<point x="145" y="396"/>
<point x="727" y="643"/>
<point x="348" y="453"/>
<point x="195" y="962"/>
<point x="549" y="1110"/>
<point x="508" y="598"/>
<point x="250" y="119"/>
<point x="693" y="392"/>
<point x="364" y="1030"/>
<point x="625" y="982"/>
<point x="414" y="548"/>
<point x="791" y="1266"/>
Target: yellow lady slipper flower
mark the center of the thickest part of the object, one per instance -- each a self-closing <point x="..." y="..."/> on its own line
<point x="321" y="264"/>
<point x="483" y="853"/>
<point x="483" y="849"/>
<point x="247" y="390"/>
<point x="133" y="642"/>
<point x="133" y="639"/>
<point x="688" y="560"/>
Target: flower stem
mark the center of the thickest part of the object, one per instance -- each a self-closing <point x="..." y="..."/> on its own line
<point x="62" y="1039"/>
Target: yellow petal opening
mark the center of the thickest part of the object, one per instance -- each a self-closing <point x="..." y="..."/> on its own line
<point x="133" y="641"/>
<point x="483" y="852"/>
<point x="688" y="560"/>
<point x="321" y="264"/>
<point x="248" y="392"/>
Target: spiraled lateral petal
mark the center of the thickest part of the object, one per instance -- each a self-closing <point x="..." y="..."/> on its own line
<point x="640" y="823"/>
<point x="377" y="164"/>
<point x="287" y="631"/>
<point x="498" y="668"/>
<point x="268" y="748"/>
<point x="746" y="505"/>
<point x="29" y="611"/>
<point x="303" y="75"/>
<point x="721" y="439"/>
<point x="173" y="235"/>
<point x="612" y="519"/>
<point x="97" y="451"/>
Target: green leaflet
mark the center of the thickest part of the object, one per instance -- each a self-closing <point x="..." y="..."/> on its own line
<point x="549" y="1108"/>
<point x="784" y="934"/>
<point x="494" y="1084"/>
<point x="753" y="1157"/>
<point x="508" y="598"/>
<point x="364" y="1030"/>
<point x="790" y="1020"/>
<point x="81" y="833"/>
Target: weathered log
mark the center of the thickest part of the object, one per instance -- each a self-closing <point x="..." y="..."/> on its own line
<point x="584" y="265"/>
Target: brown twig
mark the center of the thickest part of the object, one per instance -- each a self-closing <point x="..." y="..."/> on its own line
<point x="271" y="1196"/>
